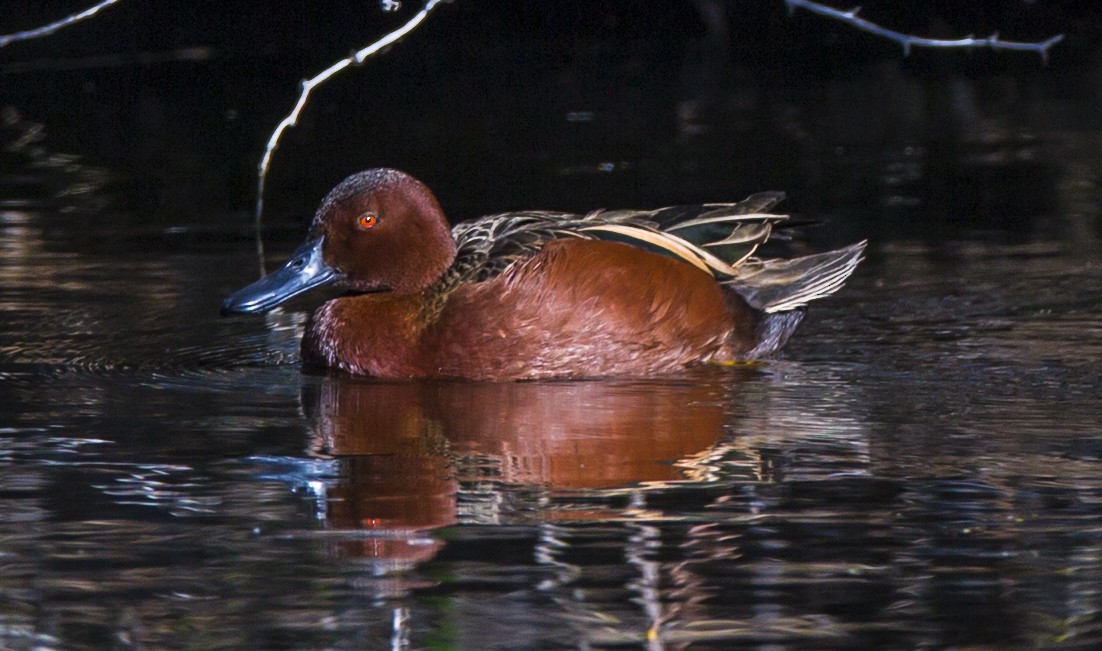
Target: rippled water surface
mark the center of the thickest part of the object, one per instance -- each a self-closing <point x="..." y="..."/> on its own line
<point x="921" y="468"/>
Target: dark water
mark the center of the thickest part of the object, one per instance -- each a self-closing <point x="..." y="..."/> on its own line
<point x="921" y="468"/>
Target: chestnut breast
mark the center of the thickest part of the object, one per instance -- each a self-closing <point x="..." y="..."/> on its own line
<point x="578" y="308"/>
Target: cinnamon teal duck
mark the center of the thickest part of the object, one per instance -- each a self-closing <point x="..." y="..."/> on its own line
<point x="540" y="294"/>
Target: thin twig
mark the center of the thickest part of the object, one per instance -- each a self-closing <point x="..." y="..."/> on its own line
<point x="46" y="30"/>
<point x="907" y="41"/>
<point x="308" y="86"/>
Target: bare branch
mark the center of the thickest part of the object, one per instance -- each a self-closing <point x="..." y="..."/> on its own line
<point x="308" y="86"/>
<point x="46" y="30"/>
<point x="907" y="41"/>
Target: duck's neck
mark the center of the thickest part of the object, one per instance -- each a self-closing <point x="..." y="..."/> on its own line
<point x="436" y="294"/>
<point x="436" y="263"/>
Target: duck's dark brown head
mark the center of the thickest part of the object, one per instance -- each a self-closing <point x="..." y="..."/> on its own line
<point x="379" y="230"/>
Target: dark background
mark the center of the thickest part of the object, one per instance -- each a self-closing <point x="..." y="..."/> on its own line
<point x="503" y="105"/>
<point x="919" y="468"/>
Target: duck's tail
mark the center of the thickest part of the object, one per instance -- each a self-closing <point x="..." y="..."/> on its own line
<point x="780" y="290"/>
<point x="774" y="286"/>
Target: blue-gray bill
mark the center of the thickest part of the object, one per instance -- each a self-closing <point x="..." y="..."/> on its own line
<point x="304" y="271"/>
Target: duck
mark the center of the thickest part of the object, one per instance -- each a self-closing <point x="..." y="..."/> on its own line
<point x="540" y="294"/>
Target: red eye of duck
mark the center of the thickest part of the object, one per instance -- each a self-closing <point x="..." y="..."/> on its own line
<point x="367" y="220"/>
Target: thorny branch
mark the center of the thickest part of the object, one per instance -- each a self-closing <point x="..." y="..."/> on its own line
<point x="308" y="86"/>
<point x="907" y="41"/>
<point x="46" y="30"/>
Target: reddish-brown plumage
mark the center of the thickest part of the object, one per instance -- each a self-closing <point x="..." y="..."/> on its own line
<point x="535" y="295"/>
<point x="578" y="308"/>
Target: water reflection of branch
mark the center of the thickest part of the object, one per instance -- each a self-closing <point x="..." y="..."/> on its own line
<point x="46" y="30"/>
<point x="907" y="41"/>
<point x="308" y="86"/>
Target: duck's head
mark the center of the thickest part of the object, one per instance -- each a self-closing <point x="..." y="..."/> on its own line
<point x="379" y="230"/>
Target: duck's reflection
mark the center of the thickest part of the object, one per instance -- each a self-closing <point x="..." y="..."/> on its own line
<point x="409" y="452"/>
